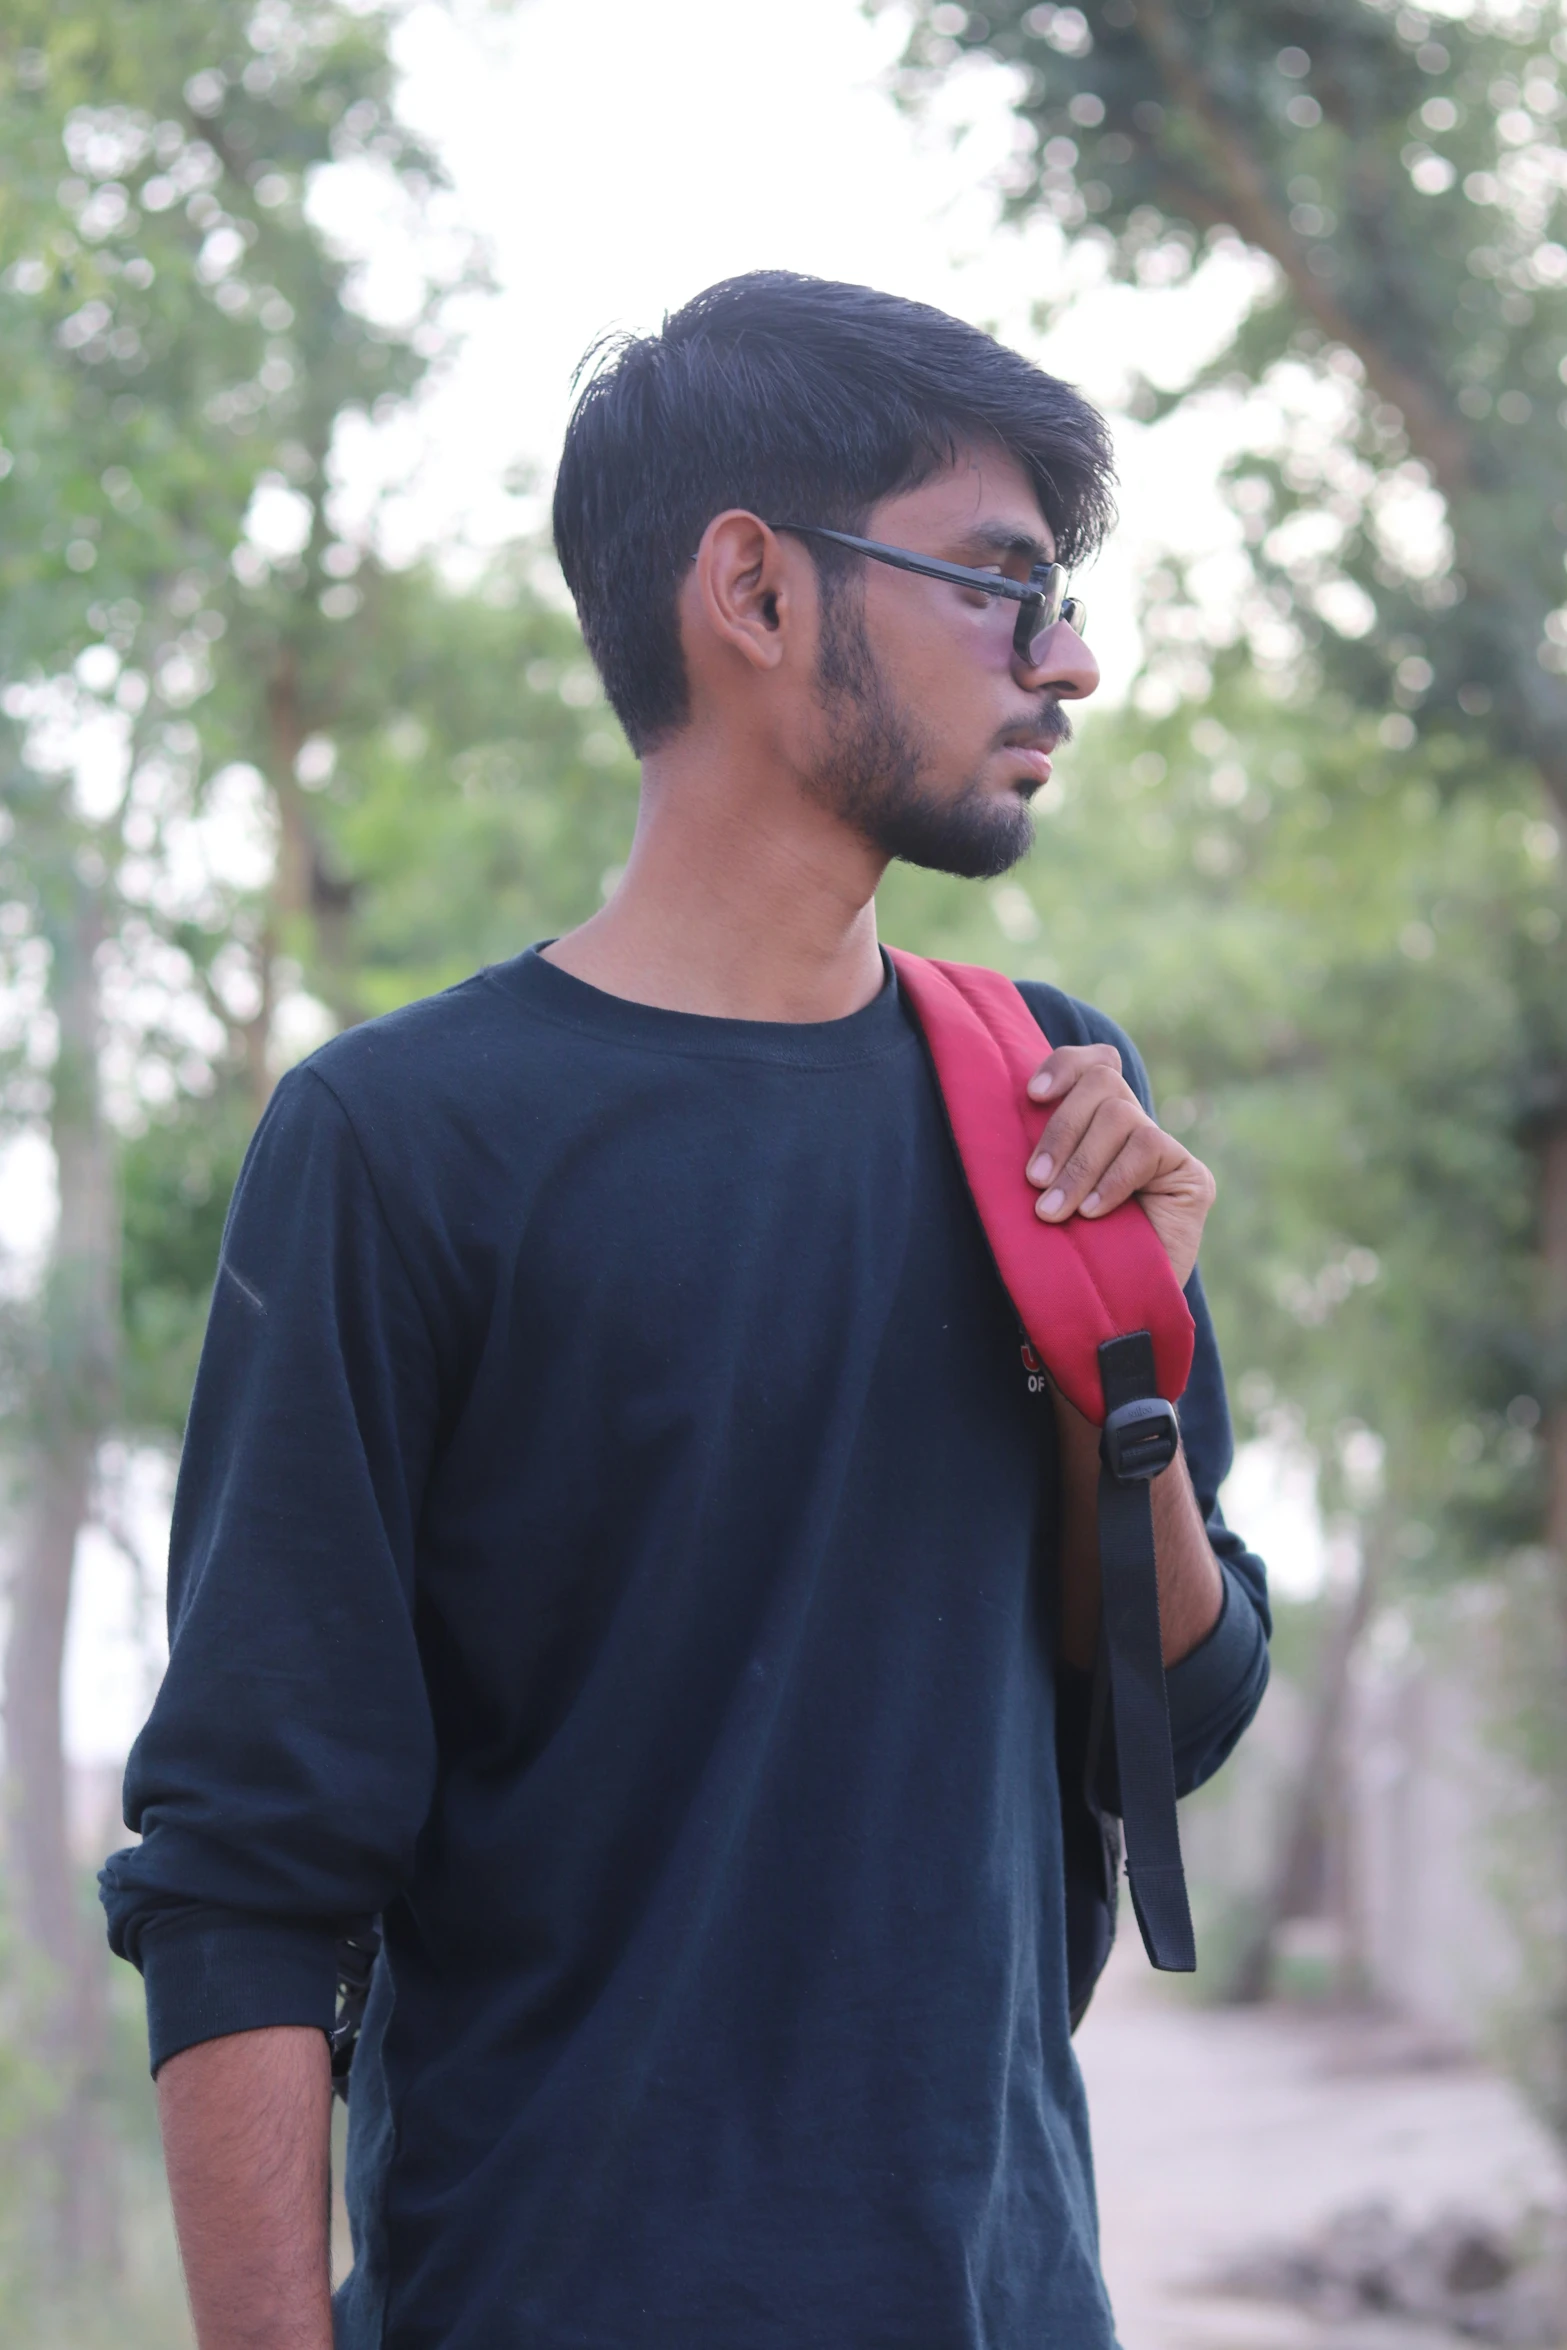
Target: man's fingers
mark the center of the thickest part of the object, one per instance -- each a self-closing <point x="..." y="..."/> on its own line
<point x="1100" y="1148"/>
<point x="1121" y="1153"/>
<point x="1095" y="1088"/>
<point x="1113" y="1125"/>
<point x="1145" y="1157"/>
<point x="1056" y="1077"/>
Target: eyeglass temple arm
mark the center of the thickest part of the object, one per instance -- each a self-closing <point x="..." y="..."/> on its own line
<point x="993" y="583"/>
<point x="1031" y="595"/>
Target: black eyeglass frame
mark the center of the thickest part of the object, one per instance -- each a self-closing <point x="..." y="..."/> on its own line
<point x="1042" y="598"/>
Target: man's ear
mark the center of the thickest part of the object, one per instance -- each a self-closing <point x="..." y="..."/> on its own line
<point x="750" y="588"/>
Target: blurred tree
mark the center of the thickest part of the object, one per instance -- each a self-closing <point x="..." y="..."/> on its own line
<point x="1406" y="178"/>
<point x="474" y="791"/>
<point x="178" y="341"/>
<point x="1405" y="504"/>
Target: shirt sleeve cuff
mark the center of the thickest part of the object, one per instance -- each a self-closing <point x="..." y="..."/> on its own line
<point x="212" y="1972"/>
<point x="1205" y="1685"/>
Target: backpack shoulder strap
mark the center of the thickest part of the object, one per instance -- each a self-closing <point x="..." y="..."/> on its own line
<point x="1074" y="1285"/>
<point x="1100" y="1305"/>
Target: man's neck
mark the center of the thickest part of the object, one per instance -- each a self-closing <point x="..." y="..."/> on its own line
<point x="740" y="904"/>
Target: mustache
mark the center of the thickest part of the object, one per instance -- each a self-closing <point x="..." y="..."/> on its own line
<point x="1052" y="729"/>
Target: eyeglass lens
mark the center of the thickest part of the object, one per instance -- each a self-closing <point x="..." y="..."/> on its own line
<point x="1039" y="616"/>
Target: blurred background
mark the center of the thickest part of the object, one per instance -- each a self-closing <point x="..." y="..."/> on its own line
<point x="295" y="724"/>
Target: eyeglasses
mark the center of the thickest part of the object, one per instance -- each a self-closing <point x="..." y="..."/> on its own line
<point x="1041" y="599"/>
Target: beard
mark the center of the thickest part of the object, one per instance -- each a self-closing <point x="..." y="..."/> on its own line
<point x="873" y="771"/>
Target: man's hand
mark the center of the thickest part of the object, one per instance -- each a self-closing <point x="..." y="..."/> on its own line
<point x="1100" y="1147"/>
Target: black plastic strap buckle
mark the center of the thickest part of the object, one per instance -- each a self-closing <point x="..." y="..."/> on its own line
<point x="1140" y="1439"/>
<point x="356" y="1957"/>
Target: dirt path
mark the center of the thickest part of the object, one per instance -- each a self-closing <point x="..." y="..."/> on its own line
<point x="1218" y="2131"/>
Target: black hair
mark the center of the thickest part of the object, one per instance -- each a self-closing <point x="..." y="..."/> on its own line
<point x="801" y="400"/>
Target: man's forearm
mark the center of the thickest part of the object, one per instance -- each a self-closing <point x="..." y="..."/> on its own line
<point x="1191" y="1586"/>
<point x="246" y="2136"/>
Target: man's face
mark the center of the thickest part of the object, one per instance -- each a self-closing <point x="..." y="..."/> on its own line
<point x="935" y="734"/>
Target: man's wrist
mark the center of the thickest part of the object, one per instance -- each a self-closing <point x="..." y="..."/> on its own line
<point x="1191" y="1581"/>
<point x="1191" y="1585"/>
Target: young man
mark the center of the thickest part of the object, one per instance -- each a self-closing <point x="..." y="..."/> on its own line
<point x="616" y="1546"/>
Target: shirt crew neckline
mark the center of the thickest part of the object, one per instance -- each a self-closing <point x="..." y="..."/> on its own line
<point x="877" y="1029"/>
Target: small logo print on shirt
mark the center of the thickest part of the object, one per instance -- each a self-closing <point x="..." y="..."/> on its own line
<point x="1035" y="1369"/>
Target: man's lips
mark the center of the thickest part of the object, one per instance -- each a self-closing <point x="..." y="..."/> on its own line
<point x="1031" y="748"/>
<point x="1036" y="761"/>
<point x="1031" y="744"/>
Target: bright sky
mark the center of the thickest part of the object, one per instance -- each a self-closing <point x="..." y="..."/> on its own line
<point x="616" y="158"/>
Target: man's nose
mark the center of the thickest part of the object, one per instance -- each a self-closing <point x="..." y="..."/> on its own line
<point x="1060" y="664"/>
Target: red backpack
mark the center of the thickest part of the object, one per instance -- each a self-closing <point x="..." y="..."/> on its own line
<point x="1100" y="1309"/>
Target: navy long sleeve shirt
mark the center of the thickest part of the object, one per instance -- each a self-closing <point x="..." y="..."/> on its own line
<point x="615" y="1546"/>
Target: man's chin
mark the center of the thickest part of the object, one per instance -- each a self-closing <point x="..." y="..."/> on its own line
<point x="976" y="837"/>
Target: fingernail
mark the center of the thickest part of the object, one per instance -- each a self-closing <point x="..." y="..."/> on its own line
<point x="1050" y="1205"/>
<point x="1090" y="1205"/>
<point x="1039" y="1086"/>
<point x="1042" y="1169"/>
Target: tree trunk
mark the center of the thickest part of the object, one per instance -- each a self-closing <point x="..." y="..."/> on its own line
<point x="306" y="889"/>
<point x="70" y="1404"/>
<point x="1553" y="1251"/>
<point x="1236" y="194"/>
<point x="1291" y="1890"/>
<point x="255" y="1035"/>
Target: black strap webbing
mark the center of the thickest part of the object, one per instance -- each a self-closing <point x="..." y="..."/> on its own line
<point x="1145" y="1767"/>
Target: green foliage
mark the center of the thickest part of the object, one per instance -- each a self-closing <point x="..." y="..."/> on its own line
<point x="171" y="326"/>
<point x="176" y="1176"/>
<point x="481" y="790"/>
<point x="179" y="347"/>
<point x="431" y="773"/>
<point x="179" y="344"/>
<point x="1405" y="175"/>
